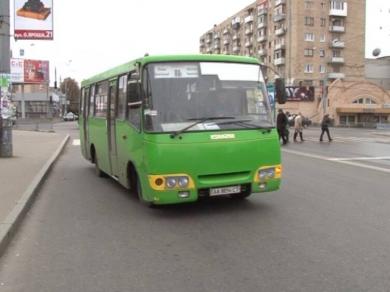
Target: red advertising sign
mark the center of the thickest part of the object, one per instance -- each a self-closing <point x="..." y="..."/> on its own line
<point x="36" y="71"/>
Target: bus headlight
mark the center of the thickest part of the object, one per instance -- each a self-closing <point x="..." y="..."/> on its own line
<point x="183" y="181"/>
<point x="180" y="181"/>
<point x="269" y="172"/>
<point x="170" y="182"/>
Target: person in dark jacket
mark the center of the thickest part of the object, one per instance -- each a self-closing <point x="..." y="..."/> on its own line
<point x="281" y="125"/>
<point x="326" y="121"/>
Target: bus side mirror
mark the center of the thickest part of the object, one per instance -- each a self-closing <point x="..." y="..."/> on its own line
<point x="280" y="91"/>
<point x="134" y="94"/>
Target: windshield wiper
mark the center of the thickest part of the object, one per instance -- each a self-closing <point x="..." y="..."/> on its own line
<point x="198" y="121"/>
<point x="245" y="124"/>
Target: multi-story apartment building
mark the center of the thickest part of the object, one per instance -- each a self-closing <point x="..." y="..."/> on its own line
<point x="305" y="41"/>
<point x="310" y="43"/>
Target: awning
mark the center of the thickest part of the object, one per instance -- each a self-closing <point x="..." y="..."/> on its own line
<point x="354" y="110"/>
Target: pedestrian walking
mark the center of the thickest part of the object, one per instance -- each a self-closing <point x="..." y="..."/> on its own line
<point x="298" y="127"/>
<point x="281" y="126"/>
<point x="326" y="121"/>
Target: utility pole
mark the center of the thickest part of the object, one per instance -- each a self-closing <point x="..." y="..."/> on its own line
<point x="5" y="124"/>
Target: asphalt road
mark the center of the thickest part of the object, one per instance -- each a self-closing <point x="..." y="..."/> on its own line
<point x="327" y="229"/>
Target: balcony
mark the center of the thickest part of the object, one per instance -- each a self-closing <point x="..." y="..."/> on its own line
<point x="225" y="52"/>
<point x="339" y="12"/>
<point x="248" y="19"/>
<point x="262" y="52"/>
<point x="262" y="11"/>
<point x="216" y="46"/>
<point x="262" y="38"/>
<point x="336" y="60"/>
<point x="249" y="30"/>
<point x="280" y="47"/>
<point x="236" y="23"/>
<point x="279" y="61"/>
<point x="209" y="50"/>
<point x="337" y="28"/>
<point x="217" y="36"/>
<point x="236" y="49"/>
<point x="262" y="25"/>
<point x="235" y="37"/>
<point x="248" y="44"/>
<point x="280" y="31"/>
<point x="337" y="44"/>
<point x="225" y="31"/>
<point x="279" y="2"/>
<point x="336" y="75"/>
<point x="226" y="41"/>
<point x="208" y="40"/>
<point x="279" y="17"/>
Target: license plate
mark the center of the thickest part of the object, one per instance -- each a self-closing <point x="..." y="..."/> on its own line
<point x="225" y="191"/>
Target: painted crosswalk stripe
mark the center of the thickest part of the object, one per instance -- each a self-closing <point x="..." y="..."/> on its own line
<point x="341" y="160"/>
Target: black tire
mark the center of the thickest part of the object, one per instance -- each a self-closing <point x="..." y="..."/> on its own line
<point x="141" y="198"/>
<point x="98" y="171"/>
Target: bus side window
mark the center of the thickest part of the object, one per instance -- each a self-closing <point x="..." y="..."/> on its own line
<point x="82" y="101"/>
<point x="122" y="91"/>
<point x="92" y="101"/>
<point x="101" y="99"/>
<point x="133" y="102"/>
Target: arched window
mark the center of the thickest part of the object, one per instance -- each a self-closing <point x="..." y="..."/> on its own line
<point x="364" y="100"/>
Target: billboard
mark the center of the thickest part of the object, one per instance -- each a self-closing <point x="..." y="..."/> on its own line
<point x="300" y="93"/>
<point x="29" y="71"/>
<point x="33" y="19"/>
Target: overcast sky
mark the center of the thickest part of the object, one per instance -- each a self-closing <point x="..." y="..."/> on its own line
<point x="91" y="36"/>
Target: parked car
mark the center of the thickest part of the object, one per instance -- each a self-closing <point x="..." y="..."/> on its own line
<point x="70" y="117"/>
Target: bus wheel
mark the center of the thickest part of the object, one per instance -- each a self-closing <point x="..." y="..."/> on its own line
<point x="140" y="196"/>
<point x="98" y="171"/>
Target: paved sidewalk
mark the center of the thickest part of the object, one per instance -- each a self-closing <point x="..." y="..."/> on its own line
<point x="20" y="174"/>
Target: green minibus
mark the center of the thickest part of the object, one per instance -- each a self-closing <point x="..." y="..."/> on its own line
<point x="178" y="128"/>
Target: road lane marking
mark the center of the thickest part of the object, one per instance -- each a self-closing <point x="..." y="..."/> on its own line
<point x="337" y="160"/>
<point x="360" y="158"/>
<point x="76" y="142"/>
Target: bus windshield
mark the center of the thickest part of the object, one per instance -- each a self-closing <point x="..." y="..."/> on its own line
<point x="220" y="96"/>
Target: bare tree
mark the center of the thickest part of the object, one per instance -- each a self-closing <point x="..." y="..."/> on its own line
<point x="71" y="89"/>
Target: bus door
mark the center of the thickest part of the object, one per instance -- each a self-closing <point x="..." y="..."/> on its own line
<point x="111" y="128"/>
<point x="85" y="114"/>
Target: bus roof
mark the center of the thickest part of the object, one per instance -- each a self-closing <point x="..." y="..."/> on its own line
<point x="124" y="68"/>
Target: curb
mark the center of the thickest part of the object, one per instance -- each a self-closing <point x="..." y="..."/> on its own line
<point x="11" y="223"/>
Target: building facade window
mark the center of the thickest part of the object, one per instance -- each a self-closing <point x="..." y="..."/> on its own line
<point x="309" y="21"/>
<point x="309" y="52"/>
<point x="322" y="53"/>
<point x="309" y="37"/>
<point x="322" y="69"/>
<point x="364" y="100"/>
<point x="322" y="38"/>
<point x="308" y="68"/>
<point x="308" y="4"/>
<point x="337" y="4"/>
<point x="323" y="21"/>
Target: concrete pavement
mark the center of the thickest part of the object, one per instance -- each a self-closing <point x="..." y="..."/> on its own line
<point x="21" y="175"/>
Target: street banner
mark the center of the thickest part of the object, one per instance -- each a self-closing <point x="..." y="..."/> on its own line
<point x="17" y="70"/>
<point x="5" y="80"/>
<point x="33" y="19"/>
<point x="29" y="71"/>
